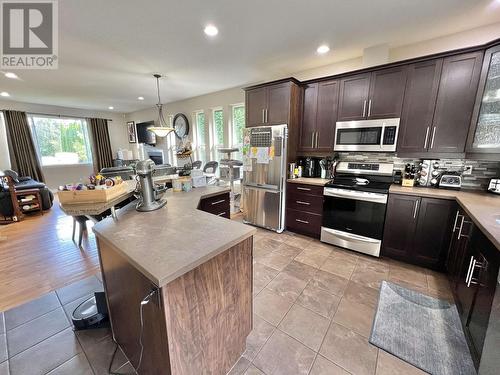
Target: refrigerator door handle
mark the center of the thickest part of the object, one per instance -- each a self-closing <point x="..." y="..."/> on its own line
<point x="269" y="188"/>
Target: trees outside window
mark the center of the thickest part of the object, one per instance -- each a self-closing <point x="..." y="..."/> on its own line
<point x="218" y="133"/>
<point x="238" y="127"/>
<point x="61" y="140"/>
<point x="200" y="137"/>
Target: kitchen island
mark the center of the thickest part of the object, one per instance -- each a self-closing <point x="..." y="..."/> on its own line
<point x="195" y="270"/>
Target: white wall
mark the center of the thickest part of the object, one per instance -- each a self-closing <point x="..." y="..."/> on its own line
<point x="206" y="103"/>
<point x="469" y="38"/>
<point x="60" y="175"/>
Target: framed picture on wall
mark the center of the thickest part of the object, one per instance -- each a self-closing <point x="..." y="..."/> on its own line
<point x="132" y="134"/>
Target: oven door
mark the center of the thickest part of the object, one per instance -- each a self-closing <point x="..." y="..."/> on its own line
<point x="354" y="219"/>
<point x="366" y="135"/>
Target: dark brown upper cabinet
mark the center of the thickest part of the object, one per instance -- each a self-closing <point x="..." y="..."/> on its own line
<point x="378" y="94"/>
<point x="387" y="89"/>
<point x="308" y="124"/>
<point x="353" y="100"/>
<point x="256" y="104"/>
<point x="484" y="132"/>
<point x="418" y="106"/>
<point x="319" y="116"/>
<point x="276" y="103"/>
<point x="417" y="230"/>
<point x="270" y="104"/>
<point x="455" y="102"/>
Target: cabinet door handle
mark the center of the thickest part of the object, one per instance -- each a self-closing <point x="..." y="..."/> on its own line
<point x="221" y="214"/>
<point x="369" y="107"/>
<point x="456" y="220"/>
<point x="416" y="209"/>
<point x="468" y="271"/>
<point x="303" y="188"/>
<point x="433" y="134"/>
<point x="263" y="115"/>
<point x="426" y="137"/>
<point x="267" y="115"/>
<point x="473" y="265"/>
<point x="461" y="226"/>
<point x="317" y="137"/>
<point x="302" y="221"/>
<point x="218" y="202"/>
<point x="303" y="203"/>
<point x="312" y="139"/>
<point x="364" y="108"/>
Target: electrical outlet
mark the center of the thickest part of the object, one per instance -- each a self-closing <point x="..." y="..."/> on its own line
<point x="467" y="170"/>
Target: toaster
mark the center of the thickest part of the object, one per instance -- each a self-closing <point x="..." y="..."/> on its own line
<point x="494" y="185"/>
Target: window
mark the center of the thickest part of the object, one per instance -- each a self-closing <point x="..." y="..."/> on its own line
<point x="171" y="143"/>
<point x="61" y="140"/>
<point x="238" y="127"/>
<point x="218" y="132"/>
<point x="200" y="137"/>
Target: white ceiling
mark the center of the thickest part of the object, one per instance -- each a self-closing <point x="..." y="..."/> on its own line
<point x="109" y="49"/>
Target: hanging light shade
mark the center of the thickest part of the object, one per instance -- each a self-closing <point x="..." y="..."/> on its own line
<point x="162" y="130"/>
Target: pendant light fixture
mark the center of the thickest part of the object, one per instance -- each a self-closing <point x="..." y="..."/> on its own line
<point x="162" y="129"/>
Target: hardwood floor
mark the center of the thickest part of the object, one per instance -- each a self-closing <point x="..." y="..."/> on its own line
<point x="38" y="255"/>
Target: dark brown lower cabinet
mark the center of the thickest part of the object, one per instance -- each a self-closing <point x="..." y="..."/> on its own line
<point x="417" y="230"/>
<point x="474" y="288"/>
<point x="304" y="209"/>
<point x="218" y="205"/>
<point x="460" y="238"/>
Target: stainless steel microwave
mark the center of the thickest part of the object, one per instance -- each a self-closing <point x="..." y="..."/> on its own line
<point x="367" y="135"/>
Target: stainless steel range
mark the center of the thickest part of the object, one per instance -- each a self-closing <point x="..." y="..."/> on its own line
<point x="355" y="204"/>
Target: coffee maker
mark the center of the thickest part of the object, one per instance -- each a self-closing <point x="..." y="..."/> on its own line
<point x="310" y="166"/>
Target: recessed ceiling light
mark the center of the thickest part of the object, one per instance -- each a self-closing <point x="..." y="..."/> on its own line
<point x="323" y="49"/>
<point x="140" y="98"/>
<point x="111" y="107"/>
<point x="211" y="30"/>
<point x="3" y="93"/>
<point x="11" y="75"/>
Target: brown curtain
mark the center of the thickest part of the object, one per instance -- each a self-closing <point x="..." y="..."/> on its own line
<point x="102" y="154"/>
<point x="23" y="156"/>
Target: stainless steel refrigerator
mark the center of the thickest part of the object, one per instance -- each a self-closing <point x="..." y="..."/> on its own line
<point x="264" y="176"/>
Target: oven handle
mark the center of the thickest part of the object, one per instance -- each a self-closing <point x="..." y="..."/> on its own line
<point x="356" y="195"/>
<point x="348" y="236"/>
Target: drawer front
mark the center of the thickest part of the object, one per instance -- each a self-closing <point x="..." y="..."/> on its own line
<point x="294" y="188"/>
<point x="303" y="222"/>
<point x="217" y="205"/>
<point x="304" y="202"/>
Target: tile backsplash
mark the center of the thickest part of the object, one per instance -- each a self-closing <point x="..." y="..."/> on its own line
<point x="482" y="170"/>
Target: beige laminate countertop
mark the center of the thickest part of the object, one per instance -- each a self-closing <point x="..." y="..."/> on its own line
<point x="483" y="208"/>
<point x="166" y="243"/>
<point x="309" y="181"/>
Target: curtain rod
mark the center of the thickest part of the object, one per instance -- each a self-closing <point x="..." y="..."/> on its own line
<point x="59" y="116"/>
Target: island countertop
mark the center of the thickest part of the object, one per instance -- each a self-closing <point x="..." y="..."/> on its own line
<point x="166" y="243"/>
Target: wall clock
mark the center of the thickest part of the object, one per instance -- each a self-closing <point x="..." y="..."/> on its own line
<point x="181" y="125"/>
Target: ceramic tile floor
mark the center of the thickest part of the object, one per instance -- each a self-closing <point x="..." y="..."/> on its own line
<point x="313" y="309"/>
<point x="37" y="337"/>
<point x="314" y="305"/>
